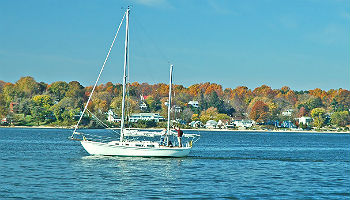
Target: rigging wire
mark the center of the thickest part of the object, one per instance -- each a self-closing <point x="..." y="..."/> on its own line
<point x="161" y="53"/>
<point x="101" y="122"/>
<point x="151" y="42"/>
<point x="98" y="78"/>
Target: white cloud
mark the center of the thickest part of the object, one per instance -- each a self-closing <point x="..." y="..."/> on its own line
<point x="153" y="3"/>
<point x="330" y="34"/>
<point x="218" y="7"/>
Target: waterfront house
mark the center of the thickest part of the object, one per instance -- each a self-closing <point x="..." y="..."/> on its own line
<point x="143" y="105"/>
<point x="221" y="124"/>
<point x="176" y="108"/>
<point x="211" y="124"/>
<point x="244" y="123"/>
<point x="305" y="120"/>
<point x="288" y="124"/>
<point x="194" y="104"/>
<point x="196" y="124"/>
<point x="4" y="120"/>
<point x="112" y="117"/>
<point x="288" y="112"/>
<point x="146" y="116"/>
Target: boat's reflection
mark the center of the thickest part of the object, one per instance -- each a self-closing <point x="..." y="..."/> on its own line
<point x="123" y="173"/>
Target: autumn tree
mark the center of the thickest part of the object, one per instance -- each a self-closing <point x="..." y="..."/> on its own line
<point x="130" y="105"/>
<point x="285" y="89"/>
<point x="208" y="114"/>
<point x="259" y="112"/>
<point x="187" y="114"/>
<point x="195" y="117"/>
<point x="343" y="99"/>
<point x="302" y="112"/>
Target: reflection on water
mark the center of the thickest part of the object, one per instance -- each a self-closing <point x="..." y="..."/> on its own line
<point x="42" y="163"/>
<point x="128" y="173"/>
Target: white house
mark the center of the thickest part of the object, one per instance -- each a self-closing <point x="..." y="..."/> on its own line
<point x="196" y="124"/>
<point x="145" y="116"/>
<point x="4" y="120"/>
<point x="221" y="124"/>
<point x="305" y="120"/>
<point x="143" y="105"/>
<point x="288" y="112"/>
<point x="194" y="104"/>
<point x="177" y="109"/>
<point x="211" y="124"/>
<point x="244" y="123"/>
<point x="112" y="117"/>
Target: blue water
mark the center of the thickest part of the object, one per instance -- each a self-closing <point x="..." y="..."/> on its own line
<point x="44" y="164"/>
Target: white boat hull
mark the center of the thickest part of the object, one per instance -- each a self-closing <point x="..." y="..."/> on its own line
<point x="100" y="148"/>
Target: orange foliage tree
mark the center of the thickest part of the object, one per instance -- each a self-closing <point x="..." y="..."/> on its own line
<point x="259" y="112"/>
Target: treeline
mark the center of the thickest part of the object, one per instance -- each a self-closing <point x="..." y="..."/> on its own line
<point x="28" y="102"/>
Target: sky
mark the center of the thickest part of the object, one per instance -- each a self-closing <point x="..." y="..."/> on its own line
<point x="303" y="44"/>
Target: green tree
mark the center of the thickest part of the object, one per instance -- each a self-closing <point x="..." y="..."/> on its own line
<point x="319" y="116"/>
<point x="44" y="101"/>
<point x="58" y="89"/>
<point x="9" y="93"/>
<point x="222" y="116"/>
<point x="27" y="87"/>
<point x="75" y="90"/>
<point x="64" y="110"/>
<point x="25" y="106"/>
<point x="38" y="114"/>
<point x="154" y="103"/>
<point x="214" y="100"/>
<point x="41" y="108"/>
<point x="340" y="118"/>
<point x="3" y="107"/>
<point x="314" y="103"/>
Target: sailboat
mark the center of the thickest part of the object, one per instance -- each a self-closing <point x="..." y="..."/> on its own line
<point x="131" y="147"/>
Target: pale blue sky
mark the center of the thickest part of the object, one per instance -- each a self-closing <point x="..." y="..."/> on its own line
<point x="303" y="44"/>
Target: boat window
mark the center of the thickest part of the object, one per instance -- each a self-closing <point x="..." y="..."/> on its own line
<point x="138" y="145"/>
<point x="126" y="144"/>
<point x="116" y="143"/>
<point x="150" y="145"/>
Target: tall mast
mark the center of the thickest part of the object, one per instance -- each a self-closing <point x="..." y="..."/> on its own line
<point x="169" y="102"/>
<point x="124" y="77"/>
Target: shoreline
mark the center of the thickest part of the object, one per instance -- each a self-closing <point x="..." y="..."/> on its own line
<point x="200" y="129"/>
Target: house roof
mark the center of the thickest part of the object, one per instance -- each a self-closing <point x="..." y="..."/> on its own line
<point x="211" y="122"/>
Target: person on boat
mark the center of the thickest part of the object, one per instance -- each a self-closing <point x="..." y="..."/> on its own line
<point x="179" y="135"/>
<point x="170" y="144"/>
<point x="162" y="137"/>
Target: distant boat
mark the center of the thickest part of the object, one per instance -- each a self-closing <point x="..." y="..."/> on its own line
<point x="131" y="147"/>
